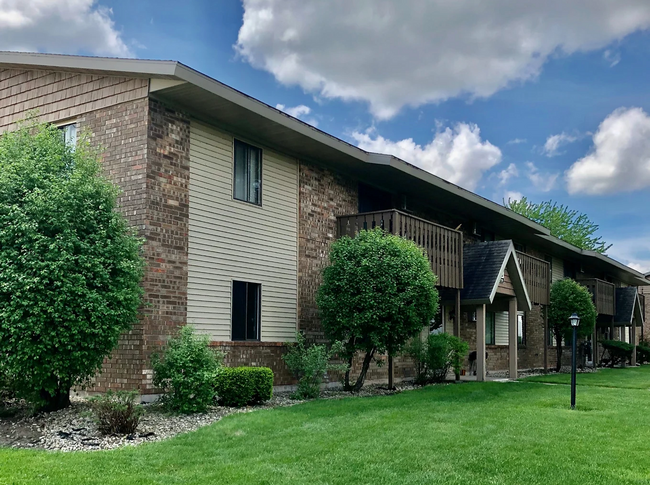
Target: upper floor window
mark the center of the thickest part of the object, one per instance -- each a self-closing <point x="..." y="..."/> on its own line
<point x="69" y="134"/>
<point x="248" y="173"/>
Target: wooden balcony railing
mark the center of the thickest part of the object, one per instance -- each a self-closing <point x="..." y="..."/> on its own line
<point x="537" y="275"/>
<point x="443" y="246"/>
<point x="603" y="294"/>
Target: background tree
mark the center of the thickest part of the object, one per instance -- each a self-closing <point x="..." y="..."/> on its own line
<point x="377" y="293"/>
<point x="70" y="267"/>
<point x="568" y="296"/>
<point x="564" y="223"/>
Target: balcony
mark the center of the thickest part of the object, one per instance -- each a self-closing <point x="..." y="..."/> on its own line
<point x="443" y="246"/>
<point x="603" y="294"/>
<point x="537" y="275"/>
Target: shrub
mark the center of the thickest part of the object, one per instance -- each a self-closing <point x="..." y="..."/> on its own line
<point x="186" y="372"/>
<point x="310" y="364"/>
<point x="377" y="293"/>
<point x="436" y="355"/>
<point x="643" y="352"/>
<point x="568" y="296"/>
<point x="619" y="352"/>
<point x="70" y="266"/>
<point x="117" y="412"/>
<point x="243" y="386"/>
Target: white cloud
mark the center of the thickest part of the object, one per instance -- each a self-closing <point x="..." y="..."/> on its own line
<point x="411" y="52"/>
<point x="299" y="112"/>
<point x="620" y="159"/>
<point x="512" y="196"/>
<point x="508" y="173"/>
<point x="61" y="26"/>
<point x="543" y="181"/>
<point x="517" y="141"/>
<point x="457" y="155"/>
<point x="555" y="142"/>
<point x="612" y="57"/>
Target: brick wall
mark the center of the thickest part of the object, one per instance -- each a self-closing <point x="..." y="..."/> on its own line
<point x="258" y="354"/>
<point x="323" y="196"/>
<point x="120" y="133"/>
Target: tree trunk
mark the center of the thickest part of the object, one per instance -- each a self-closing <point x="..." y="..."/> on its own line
<point x="558" y="346"/>
<point x="346" y="382"/>
<point x="391" y="385"/>
<point x="364" y="370"/>
<point x="60" y="399"/>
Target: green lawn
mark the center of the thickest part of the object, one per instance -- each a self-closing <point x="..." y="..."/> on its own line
<point x="472" y="433"/>
<point x="630" y="378"/>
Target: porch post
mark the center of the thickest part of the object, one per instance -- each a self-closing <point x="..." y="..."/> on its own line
<point x="457" y="319"/>
<point x="513" y="342"/>
<point x="633" y="342"/>
<point x="594" y="349"/>
<point x="480" y="343"/>
<point x="546" y="338"/>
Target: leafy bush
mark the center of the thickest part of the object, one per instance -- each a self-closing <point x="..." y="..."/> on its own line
<point x="70" y="266"/>
<point x="117" y="412"/>
<point x="378" y="292"/>
<point x="243" y="386"/>
<point x="619" y="352"/>
<point x="436" y="355"/>
<point x="186" y="372"/>
<point x="643" y="352"/>
<point x="310" y="364"/>
<point x="568" y="296"/>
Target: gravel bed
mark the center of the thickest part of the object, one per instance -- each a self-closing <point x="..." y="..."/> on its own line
<point x="74" y="428"/>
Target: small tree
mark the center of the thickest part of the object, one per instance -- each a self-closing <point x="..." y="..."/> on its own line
<point x="378" y="292"/>
<point x="564" y="223"/>
<point x="568" y="296"/>
<point x="70" y="267"/>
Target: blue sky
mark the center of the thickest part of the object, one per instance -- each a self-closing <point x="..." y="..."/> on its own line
<point x="474" y="96"/>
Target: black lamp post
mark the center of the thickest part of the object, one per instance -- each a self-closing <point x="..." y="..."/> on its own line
<point x="575" y="321"/>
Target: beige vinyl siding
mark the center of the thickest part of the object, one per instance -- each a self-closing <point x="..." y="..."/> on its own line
<point x="61" y="95"/>
<point x="234" y="240"/>
<point x="557" y="269"/>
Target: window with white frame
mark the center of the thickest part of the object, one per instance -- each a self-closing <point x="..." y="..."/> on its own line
<point x="69" y="134"/>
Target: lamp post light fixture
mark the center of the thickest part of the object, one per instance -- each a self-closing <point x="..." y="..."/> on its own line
<point x="575" y="321"/>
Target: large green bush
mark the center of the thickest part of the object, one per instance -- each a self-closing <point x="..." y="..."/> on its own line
<point x="243" y="386"/>
<point x="436" y="355"/>
<point x="309" y="364"/>
<point x="186" y="372"/>
<point x="377" y="293"/>
<point x="70" y="266"/>
<point x="619" y="352"/>
<point x="567" y="297"/>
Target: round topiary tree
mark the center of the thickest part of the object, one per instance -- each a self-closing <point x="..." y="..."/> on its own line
<point x="70" y="267"/>
<point x="568" y="296"/>
<point x="378" y="292"/>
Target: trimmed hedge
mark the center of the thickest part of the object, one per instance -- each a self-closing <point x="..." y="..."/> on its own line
<point x="619" y="352"/>
<point x="643" y="352"/>
<point x="243" y="386"/>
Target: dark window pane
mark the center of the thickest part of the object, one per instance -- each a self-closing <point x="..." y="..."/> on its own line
<point x="255" y="176"/>
<point x="253" y="311"/>
<point x="238" y="310"/>
<point x="241" y="170"/>
<point x="489" y="328"/>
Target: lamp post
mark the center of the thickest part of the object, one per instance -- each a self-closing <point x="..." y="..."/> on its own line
<point x="575" y="321"/>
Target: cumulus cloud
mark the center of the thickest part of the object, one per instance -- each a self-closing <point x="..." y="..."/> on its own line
<point x="62" y="26"/>
<point x="508" y="173"/>
<point x="633" y="252"/>
<point x="456" y="154"/>
<point x="393" y="54"/>
<point x="300" y="112"/>
<point x="555" y="142"/>
<point x="513" y="196"/>
<point x="542" y="181"/>
<point x="620" y="158"/>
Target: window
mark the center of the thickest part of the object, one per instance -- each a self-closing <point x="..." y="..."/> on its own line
<point x="248" y="173"/>
<point x="69" y="134"/>
<point x="246" y="304"/>
<point x="490" y="333"/>
<point x="521" y="329"/>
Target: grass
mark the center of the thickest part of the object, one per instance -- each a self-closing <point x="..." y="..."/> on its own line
<point x="627" y="378"/>
<point x="478" y="433"/>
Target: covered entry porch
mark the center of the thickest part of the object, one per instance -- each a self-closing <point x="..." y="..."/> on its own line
<point x="486" y="310"/>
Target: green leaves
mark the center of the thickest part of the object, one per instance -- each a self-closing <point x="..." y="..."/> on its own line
<point x="568" y="296"/>
<point x="70" y="267"/>
<point x="564" y="223"/>
<point x="377" y="293"/>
